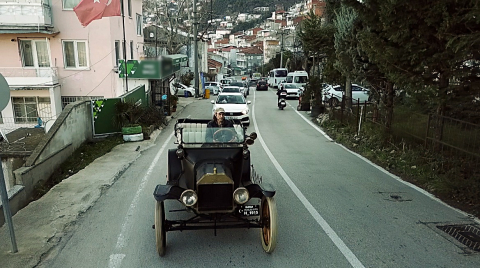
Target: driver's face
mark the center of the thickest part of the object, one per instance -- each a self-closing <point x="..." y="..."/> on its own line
<point x="220" y="117"/>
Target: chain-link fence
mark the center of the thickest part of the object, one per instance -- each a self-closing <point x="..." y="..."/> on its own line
<point x="453" y="140"/>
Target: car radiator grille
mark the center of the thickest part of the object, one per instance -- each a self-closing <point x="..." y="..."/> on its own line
<point x="233" y="114"/>
<point x="214" y="197"/>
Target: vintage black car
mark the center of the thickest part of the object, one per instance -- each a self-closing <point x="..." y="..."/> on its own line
<point x="210" y="174"/>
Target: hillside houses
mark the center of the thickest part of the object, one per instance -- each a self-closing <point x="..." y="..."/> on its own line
<point x="246" y="51"/>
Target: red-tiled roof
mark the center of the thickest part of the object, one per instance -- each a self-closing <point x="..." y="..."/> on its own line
<point x="222" y="41"/>
<point x="213" y="63"/>
<point x="297" y="20"/>
<point x="250" y="37"/>
<point x="251" y="50"/>
<point x="256" y="30"/>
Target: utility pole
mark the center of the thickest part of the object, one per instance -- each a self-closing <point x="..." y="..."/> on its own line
<point x="195" y="47"/>
<point x="281" y="49"/>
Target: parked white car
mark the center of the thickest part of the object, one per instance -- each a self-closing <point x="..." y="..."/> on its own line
<point x="215" y="87"/>
<point x="293" y="90"/>
<point x="181" y="88"/>
<point x="235" y="105"/>
<point x="333" y="94"/>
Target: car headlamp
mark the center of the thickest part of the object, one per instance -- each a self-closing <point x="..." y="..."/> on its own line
<point x="189" y="198"/>
<point x="241" y="195"/>
<point x="180" y="153"/>
<point x="245" y="111"/>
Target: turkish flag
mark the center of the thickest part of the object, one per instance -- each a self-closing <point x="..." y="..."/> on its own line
<point x="90" y="10"/>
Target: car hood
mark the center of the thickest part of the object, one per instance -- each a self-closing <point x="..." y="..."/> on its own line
<point x="231" y="108"/>
<point x="292" y="90"/>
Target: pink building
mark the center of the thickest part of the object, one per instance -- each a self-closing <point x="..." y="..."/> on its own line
<point x="49" y="59"/>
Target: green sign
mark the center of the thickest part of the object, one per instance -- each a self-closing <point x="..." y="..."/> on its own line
<point x="145" y="69"/>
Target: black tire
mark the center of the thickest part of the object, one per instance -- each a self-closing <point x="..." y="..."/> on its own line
<point x="333" y="102"/>
<point x="268" y="220"/>
<point x="160" y="233"/>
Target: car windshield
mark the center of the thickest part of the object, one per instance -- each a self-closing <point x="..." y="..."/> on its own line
<point x="289" y="79"/>
<point x="231" y="89"/>
<point x="230" y="99"/>
<point x="281" y="73"/>
<point x="290" y="86"/>
<point x="214" y="135"/>
<point x="237" y="84"/>
<point x="301" y="79"/>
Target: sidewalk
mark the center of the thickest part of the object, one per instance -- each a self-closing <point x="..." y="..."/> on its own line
<point x="43" y="223"/>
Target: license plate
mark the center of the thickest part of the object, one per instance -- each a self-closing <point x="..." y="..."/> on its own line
<point x="249" y="210"/>
<point x="229" y="117"/>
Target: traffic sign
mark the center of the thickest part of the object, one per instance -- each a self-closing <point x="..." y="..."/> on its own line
<point x="4" y="93"/>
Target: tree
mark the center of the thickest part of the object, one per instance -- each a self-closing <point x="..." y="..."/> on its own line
<point x="346" y="47"/>
<point x="429" y="48"/>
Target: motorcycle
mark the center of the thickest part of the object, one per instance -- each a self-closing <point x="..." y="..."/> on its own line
<point x="281" y="100"/>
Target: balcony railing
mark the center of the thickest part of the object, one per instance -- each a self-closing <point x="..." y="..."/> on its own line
<point x="9" y="124"/>
<point x="21" y="13"/>
<point x="18" y="76"/>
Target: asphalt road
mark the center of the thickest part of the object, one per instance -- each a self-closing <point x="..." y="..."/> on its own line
<point x="335" y="209"/>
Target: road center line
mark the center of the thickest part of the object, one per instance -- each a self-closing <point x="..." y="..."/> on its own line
<point x="115" y="261"/>
<point x="352" y="259"/>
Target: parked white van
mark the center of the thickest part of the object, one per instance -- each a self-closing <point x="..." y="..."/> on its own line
<point x="299" y="78"/>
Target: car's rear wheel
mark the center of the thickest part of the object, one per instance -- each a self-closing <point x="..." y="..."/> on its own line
<point x="160" y="233"/>
<point x="269" y="224"/>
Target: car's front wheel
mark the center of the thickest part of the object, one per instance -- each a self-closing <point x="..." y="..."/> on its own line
<point x="268" y="221"/>
<point x="160" y="233"/>
<point x="334" y="102"/>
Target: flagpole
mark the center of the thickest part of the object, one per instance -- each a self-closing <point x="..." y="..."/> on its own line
<point x="124" y="46"/>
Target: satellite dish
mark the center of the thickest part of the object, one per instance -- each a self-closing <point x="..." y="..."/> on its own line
<point x="4" y="93"/>
<point x="48" y="125"/>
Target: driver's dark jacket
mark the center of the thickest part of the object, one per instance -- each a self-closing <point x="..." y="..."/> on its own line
<point x="213" y="124"/>
<point x="280" y="91"/>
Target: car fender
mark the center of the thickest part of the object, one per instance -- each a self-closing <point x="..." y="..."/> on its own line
<point x="164" y="192"/>
<point x="260" y="190"/>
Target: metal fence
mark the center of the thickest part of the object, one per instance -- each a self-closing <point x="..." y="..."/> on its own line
<point x="455" y="141"/>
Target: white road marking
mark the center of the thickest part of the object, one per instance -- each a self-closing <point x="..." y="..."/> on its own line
<point x="413" y="186"/>
<point x="351" y="258"/>
<point x="115" y="260"/>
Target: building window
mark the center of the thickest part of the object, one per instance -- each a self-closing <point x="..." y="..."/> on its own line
<point x="75" y="54"/>
<point x="68" y="100"/>
<point x="131" y="50"/>
<point x="35" y="53"/>
<point x="117" y="52"/>
<point x="130" y="8"/>
<point x="70" y="4"/>
<point x="29" y="109"/>
<point x="139" y="24"/>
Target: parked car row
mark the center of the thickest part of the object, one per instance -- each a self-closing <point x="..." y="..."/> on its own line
<point x="333" y="94"/>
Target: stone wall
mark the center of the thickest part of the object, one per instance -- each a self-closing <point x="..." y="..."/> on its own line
<point x="73" y="127"/>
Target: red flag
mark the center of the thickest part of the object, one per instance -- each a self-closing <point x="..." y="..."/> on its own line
<point x="90" y="10"/>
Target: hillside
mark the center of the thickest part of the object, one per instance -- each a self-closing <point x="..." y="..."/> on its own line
<point x="230" y="7"/>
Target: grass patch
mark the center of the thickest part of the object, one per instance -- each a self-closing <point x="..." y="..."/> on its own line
<point x="82" y="157"/>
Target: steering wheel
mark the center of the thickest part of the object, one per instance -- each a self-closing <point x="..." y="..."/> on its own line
<point x="224" y="135"/>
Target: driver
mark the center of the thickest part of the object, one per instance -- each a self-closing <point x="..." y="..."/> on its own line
<point x="217" y="122"/>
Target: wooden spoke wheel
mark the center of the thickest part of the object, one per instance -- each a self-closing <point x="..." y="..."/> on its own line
<point x="160" y="233"/>
<point x="268" y="221"/>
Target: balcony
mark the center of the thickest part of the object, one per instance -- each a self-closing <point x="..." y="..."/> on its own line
<point x="26" y="16"/>
<point x="30" y="77"/>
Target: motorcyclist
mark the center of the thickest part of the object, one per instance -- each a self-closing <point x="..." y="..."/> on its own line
<point x="279" y="92"/>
